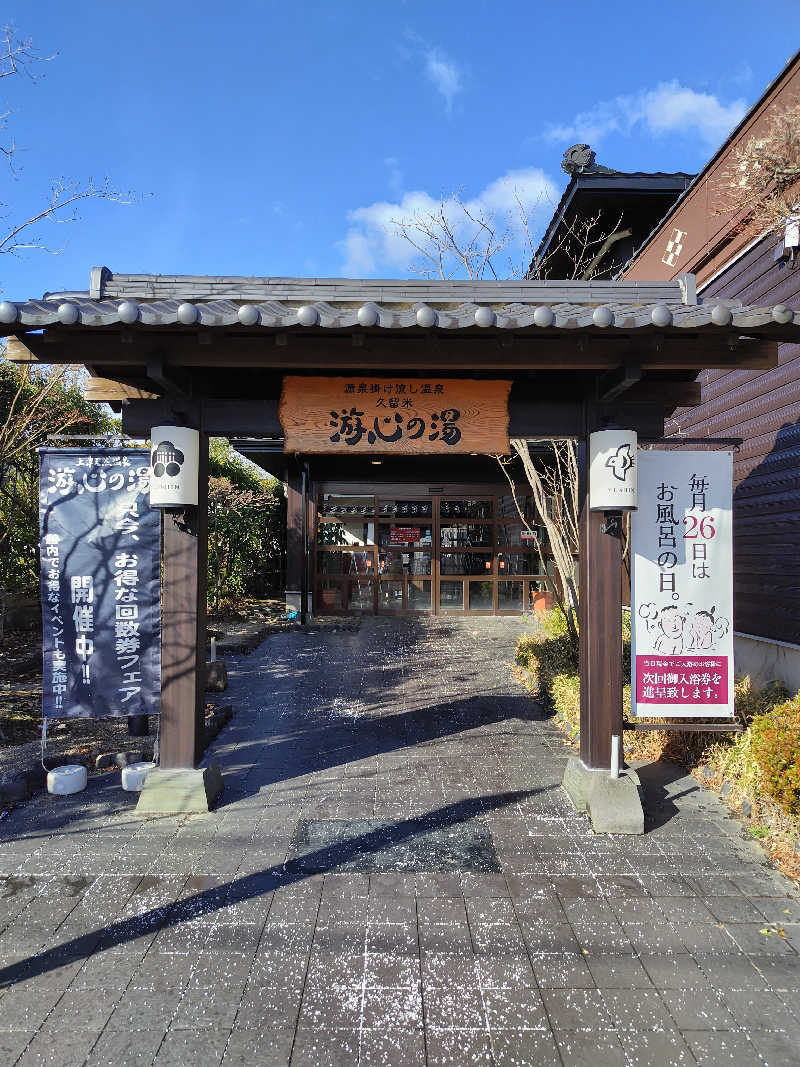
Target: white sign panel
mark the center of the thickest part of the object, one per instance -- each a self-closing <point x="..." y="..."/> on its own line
<point x="682" y="588"/>
<point x="174" y="466"/>
<point x="612" y="470"/>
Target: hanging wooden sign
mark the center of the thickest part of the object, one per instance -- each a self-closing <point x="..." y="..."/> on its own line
<point x="394" y="415"/>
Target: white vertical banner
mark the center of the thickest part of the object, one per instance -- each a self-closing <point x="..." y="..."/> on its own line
<point x="682" y="586"/>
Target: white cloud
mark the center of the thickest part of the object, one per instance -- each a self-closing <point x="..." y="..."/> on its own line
<point x="444" y="73"/>
<point x="669" y="108"/>
<point x="372" y="246"/>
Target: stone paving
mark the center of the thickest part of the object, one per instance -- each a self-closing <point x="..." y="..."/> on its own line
<point x="393" y="877"/>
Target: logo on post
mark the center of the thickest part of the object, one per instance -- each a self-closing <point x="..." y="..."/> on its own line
<point x="166" y="459"/>
<point x="620" y="462"/>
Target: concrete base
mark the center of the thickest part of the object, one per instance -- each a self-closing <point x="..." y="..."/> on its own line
<point x="173" y="792"/>
<point x="294" y="601"/>
<point x="614" y="804"/>
<point x="216" y="676"/>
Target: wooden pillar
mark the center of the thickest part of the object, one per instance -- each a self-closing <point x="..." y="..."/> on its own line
<point x="600" y="594"/>
<point x="183" y="628"/>
<point x="295" y="548"/>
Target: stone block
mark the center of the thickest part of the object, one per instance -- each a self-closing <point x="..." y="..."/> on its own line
<point x="577" y="782"/>
<point x="216" y="676"/>
<point x="104" y="761"/>
<point x="613" y="804"/>
<point x="125" y="759"/>
<point x="170" y="791"/>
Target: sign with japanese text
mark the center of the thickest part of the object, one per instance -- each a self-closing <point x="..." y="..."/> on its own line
<point x="394" y="415"/>
<point x="404" y="535"/>
<point x="682" y="588"/>
<point x="100" y="543"/>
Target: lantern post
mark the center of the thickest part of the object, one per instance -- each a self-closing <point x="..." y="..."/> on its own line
<point x="179" y="486"/>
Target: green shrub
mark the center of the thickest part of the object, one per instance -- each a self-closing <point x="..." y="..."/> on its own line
<point x="550" y="651"/>
<point x="542" y="658"/>
<point x="565" y="693"/>
<point x="776" y="748"/>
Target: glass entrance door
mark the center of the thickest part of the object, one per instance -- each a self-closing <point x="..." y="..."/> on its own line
<point x="405" y="555"/>
<point x="443" y="553"/>
<point x="466" y="554"/>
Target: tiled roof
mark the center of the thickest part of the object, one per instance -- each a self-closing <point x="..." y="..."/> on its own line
<point x="274" y="303"/>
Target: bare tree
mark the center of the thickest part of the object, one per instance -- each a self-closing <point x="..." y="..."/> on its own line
<point x="454" y="239"/>
<point x="762" y="179"/>
<point x="21" y="232"/>
<point x="554" y="483"/>
<point x="460" y="239"/>
<point x="457" y="239"/>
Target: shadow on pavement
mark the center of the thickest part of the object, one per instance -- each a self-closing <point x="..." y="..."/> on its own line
<point x="253" y="885"/>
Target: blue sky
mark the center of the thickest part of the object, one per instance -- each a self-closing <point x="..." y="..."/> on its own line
<point x="271" y="139"/>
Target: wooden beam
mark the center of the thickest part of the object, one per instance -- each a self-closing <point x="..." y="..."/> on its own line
<point x="108" y="391"/>
<point x="220" y="417"/>
<point x="527" y="417"/>
<point x="167" y="380"/>
<point x="668" y="394"/>
<point x="549" y="352"/>
<point x="616" y="382"/>
<point x="17" y="352"/>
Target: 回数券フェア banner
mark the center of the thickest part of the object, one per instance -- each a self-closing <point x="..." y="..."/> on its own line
<point x="682" y="587"/>
<point x="99" y="542"/>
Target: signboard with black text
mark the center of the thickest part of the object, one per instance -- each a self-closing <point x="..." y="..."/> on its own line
<point x="682" y="589"/>
<point x="394" y="416"/>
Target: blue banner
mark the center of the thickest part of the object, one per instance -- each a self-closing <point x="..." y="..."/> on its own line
<point x="101" y="624"/>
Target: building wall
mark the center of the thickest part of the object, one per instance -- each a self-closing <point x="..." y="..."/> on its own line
<point x="763" y="408"/>
<point x="695" y="236"/>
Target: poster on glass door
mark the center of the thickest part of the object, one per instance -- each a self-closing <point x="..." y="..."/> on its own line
<point x="682" y="586"/>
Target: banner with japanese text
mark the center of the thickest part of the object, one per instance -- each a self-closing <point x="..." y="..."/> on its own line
<point x="682" y="586"/>
<point x="100" y="543"/>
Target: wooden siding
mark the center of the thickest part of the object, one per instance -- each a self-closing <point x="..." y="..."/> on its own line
<point x="763" y="409"/>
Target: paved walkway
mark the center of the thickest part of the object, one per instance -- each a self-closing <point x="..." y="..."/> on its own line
<point x="394" y="877"/>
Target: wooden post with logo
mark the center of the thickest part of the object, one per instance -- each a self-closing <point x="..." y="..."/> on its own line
<point x="608" y="794"/>
<point x="176" y="785"/>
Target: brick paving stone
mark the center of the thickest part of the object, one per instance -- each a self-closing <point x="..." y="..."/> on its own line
<point x="463" y="912"/>
<point x="125" y="1050"/>
<point x="645" y="1049"/>
<point x="715" y="1049"/>
<point x="269" y="1045"/>
<point x="592" y="1049"/>
<point x="13" y="1044"/>
<point x="455" y="1048"/>
<point x="83" y="1009"/>
<point x="185" y="1048"/>
<point x="325" y="1048"/>
<point x="392" y="1048"/>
